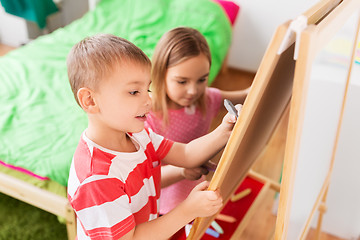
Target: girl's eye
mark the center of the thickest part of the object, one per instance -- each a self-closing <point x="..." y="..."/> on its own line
<point x="134" y="92"/>
<point x="201" y="80"/>
<point x="182" y="82"/>
<point x="149" y="90"/>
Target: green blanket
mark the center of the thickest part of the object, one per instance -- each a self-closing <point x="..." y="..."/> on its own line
<point x="40" y="123"/>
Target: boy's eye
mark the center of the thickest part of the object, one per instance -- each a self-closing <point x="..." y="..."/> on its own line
<point x="134" y="92"/>
<point x="181" y="82"/>
<point x="149" y="90"/>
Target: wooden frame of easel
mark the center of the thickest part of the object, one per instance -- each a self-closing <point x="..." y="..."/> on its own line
<point x="268" y="99"/>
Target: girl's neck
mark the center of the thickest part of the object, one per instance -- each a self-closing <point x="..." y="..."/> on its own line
<point x="173" y="105"/>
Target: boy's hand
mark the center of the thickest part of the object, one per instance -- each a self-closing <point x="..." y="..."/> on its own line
<point x="203" y="203"/>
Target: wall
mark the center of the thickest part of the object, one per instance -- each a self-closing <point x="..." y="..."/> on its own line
<point x="15" y="31"/>
<point x="12" y="29"/>
<point x="255" y="25"/>
<point x="73" y="10"/>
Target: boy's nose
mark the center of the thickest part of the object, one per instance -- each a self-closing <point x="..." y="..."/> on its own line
<point x="148" y="100"/>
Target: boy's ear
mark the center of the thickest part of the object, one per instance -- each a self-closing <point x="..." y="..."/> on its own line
<point x="87" y="101"/>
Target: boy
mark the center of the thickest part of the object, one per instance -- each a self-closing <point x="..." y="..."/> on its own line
<point x="114" y="182"/>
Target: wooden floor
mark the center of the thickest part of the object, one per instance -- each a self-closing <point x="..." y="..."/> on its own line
<point x="5" y="49"/>
<point x="262" y="224"/>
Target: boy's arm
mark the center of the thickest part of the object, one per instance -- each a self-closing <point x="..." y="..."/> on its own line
<point x="202" y="149"/>
<point x="161" y="228"/>
<point x="199" y="203"/>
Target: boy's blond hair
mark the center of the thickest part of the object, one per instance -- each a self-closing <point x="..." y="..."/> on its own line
<point x="95" y="57"/>
<point x="174" y="47"/>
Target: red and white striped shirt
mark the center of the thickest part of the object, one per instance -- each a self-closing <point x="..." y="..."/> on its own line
<point x="111" y="191"/>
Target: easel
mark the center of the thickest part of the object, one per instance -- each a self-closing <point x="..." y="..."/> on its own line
<point x="313" y="39"/>
<point x="270" y="96"/>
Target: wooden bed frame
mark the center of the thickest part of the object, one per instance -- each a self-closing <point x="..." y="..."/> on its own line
<point x="40" y="198"/>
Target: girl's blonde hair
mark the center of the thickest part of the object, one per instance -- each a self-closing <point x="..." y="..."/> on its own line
<point x="174" y="47"/>
<point x="95" y="57"/>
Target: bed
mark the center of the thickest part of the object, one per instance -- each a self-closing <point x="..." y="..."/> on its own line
<point x="40" y="123"/>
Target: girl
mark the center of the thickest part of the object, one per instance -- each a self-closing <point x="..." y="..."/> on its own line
<point x="183" y="105"/>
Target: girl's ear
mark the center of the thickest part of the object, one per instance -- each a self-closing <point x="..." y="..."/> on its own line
<point x="87" y="101"/>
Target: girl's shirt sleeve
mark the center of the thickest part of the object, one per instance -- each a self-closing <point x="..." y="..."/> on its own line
<point x="214" y="100"/>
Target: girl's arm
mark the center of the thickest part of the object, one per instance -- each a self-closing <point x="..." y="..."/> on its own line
<point x="202" y="149"/>
<point x="172" y="174"/>
<point x="235" y="97"/>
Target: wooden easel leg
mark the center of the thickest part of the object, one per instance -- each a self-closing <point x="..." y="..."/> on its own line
<point x="318" y="228"/>
<point x="70" y="223"/>
<point x="322" y="210"/>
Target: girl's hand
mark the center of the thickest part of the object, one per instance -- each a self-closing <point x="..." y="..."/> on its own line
<point x="194" y="173"/>
<point x="229" y="119"/>
<point x="203" y="203"/>
<point x="210" y="166"/>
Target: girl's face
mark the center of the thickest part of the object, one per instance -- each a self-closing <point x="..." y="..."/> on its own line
<point x="186" y="82"/>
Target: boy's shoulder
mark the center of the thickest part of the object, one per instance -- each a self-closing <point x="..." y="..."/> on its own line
<point x="160" y="144"/>
<point x="146" y="136"/>
<point x="90" y="160"/>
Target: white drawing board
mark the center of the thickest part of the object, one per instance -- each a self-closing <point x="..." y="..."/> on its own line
<point x="320" y="86"/>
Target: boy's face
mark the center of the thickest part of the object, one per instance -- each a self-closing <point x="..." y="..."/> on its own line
<point x="123" y="98"/>
<point x="186" y="82"/>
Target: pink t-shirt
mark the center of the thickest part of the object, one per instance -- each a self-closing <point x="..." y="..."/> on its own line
<point x="185" y="125"/>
